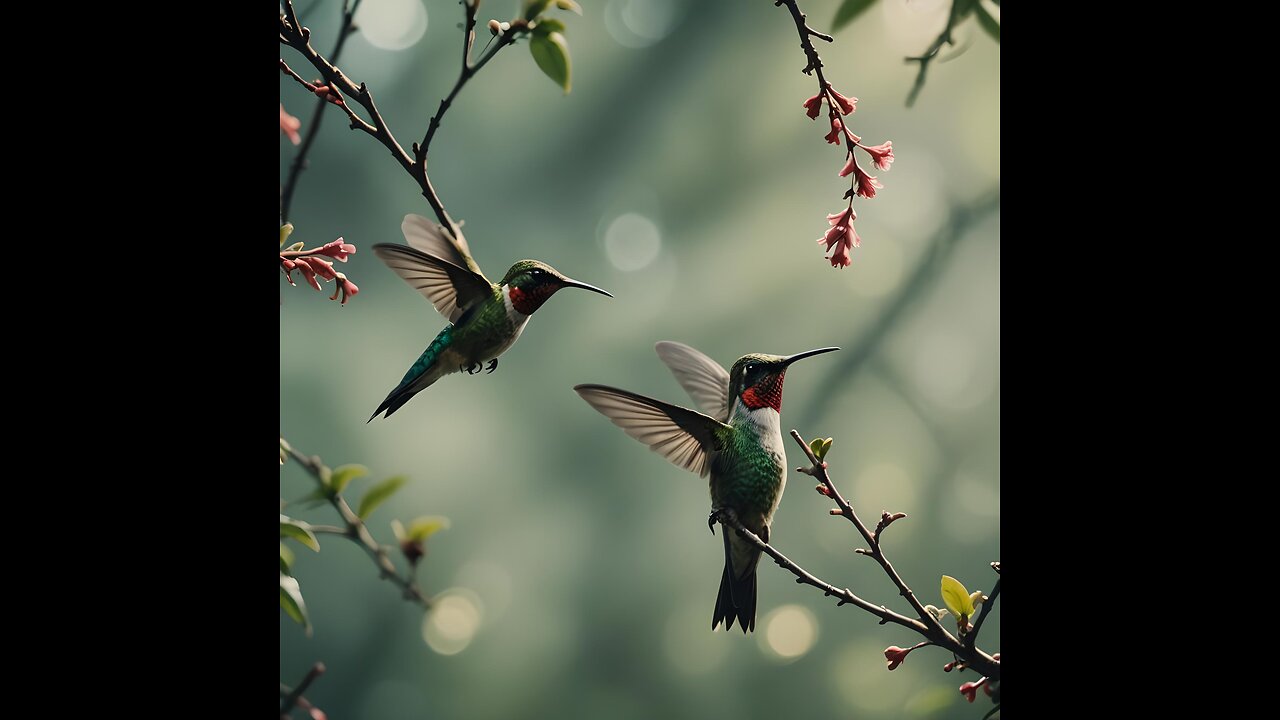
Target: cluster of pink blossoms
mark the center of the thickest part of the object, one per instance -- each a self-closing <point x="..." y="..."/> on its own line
<point x="310" y="265"/>
<point x="842" y="238"/>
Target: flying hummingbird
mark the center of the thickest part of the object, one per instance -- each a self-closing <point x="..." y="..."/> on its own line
<point x="485" y="318"/>
<point x="737" y="441"/>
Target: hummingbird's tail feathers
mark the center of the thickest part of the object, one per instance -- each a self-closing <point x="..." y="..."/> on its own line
<point x="396" y="399"/>
<point x="424" y="371"/>
<point x="737" y="598"/>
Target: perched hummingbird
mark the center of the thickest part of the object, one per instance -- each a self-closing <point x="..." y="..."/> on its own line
<point x="485" y="319"/>
<point x="738" y="441"/>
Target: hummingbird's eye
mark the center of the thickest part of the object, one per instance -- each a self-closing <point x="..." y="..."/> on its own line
<point x="751" y="368"/>
<point x="537" y="271"/>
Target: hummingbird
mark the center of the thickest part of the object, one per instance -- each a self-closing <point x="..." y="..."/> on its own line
<point x="485" y="318"/>
<point x="736" y="439"/>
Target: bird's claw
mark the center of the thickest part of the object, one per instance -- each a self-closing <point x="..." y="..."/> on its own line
<point x="493" y="365"/>
<point x="717" y="515"/>
<point x="471" y="369"/>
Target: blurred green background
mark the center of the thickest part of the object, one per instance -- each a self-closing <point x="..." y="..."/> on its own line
<point x="682" y="175"/>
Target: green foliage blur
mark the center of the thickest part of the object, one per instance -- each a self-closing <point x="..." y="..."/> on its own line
<point x="682" y="175"/>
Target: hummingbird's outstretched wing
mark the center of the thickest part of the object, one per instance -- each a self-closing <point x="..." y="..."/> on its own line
<point x="452" y="289"/>
<point x="430" y="238"/>
<point x="700" y="376"/>
<point x="678" y="434"/>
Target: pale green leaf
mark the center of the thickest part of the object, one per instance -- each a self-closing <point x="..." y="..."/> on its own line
<point x="291" y="601"/>
<point x="956" y="597"/>
<point x="299" y="530"/>
<point x="546" y="26"/>
<point x="849" y="10"/>
<point x="378" y="494"/>
<point x="286" y="559"/>
<point x="426" y="526"/>
<point x="285" y="231"/>
<point x="343" y="475"/>
<point x="569" y="5"/>
<point x="534" y="8"/>
<point x="551" y="52"/>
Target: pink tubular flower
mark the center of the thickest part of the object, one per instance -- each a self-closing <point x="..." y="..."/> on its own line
<point x="867" y="185"/>
<point x="970" y="689"/>
<point x="841" y="238"/>
<point x="849" y="166"/>
<point x="881" y="155"/>
<point x="336" y="249"/>
<point x="346" y="288"/>
<point x="895" y="655"/>
<point x="837" y="128"/>
<point x="289" y="125"/>
<point x="312" y="265"/>
<point x="846" y="104"/>
<point x="812" y="106"/>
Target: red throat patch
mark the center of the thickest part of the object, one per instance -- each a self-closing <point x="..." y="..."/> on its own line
<point x="526" y="302"/>
<point x="766" y="393"/>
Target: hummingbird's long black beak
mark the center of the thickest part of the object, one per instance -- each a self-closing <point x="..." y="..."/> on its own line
<point x="807" y="353"/>
<point x="569" y="282"/>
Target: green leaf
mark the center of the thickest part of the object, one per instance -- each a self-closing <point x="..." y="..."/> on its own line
<point x="298" y="530"/>
<point x="551" y="52"/>
<point x="291" y="601"/>
<point x="956" y="597"/>
<point x="815" y="446"/>
<point x="286" y="559"/>
<point x="285" y="231"/>
<point x="294" y="247"/>
<point x="378" y="494"/>
<point x="426" y="526"/>
<point x="315" y="498"/>
<point x="849" y="10"/>
<point x="345" y="474"/>
<point x="569" y="5"/>
<point x="546" y="26"/>
<point x="534" y="8"/>
<point x="988" y="23"/>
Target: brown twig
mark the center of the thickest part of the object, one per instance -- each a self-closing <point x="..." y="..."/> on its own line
<point x="815" y="66"/>
<point x="927" y="625"/>
<point x="293" y="696"/>
<point x="819" y="471"/>
<point x="357" y="531"/>
<point x="468" y="71"/>
<point x="293" y="34"/>
<point x="972" y="637"/>
<point x="345" y="30"/>
<point x="843" y="595"/>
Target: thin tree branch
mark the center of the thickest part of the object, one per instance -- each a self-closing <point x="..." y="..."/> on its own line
<point x="467" y="72"/>
<point x="927" y="625"/>
<point x="972" y="637"/>
<point x="944" y="38"/>
<point x="293" y="34"/>
<point x="358" y="532"/>
<point x="293" y="696"/>
<point x="844" y="596"/>
<point x="345" y="30"/>
<point x="819" y="471"/>
<point x="356" y="121"/>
